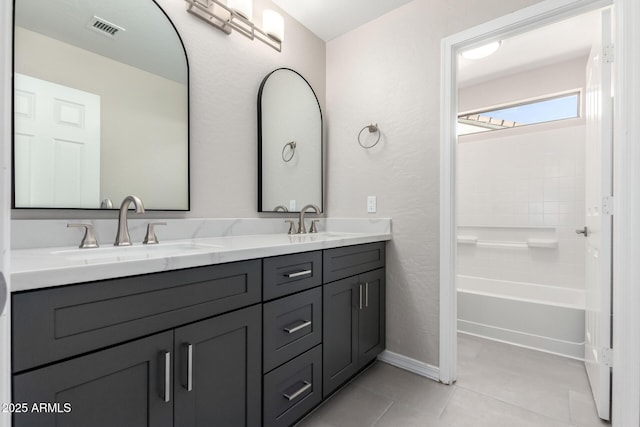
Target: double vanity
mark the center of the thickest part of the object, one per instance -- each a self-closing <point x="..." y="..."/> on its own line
<point x="242" y="330"/>
<point x="224" y="322"/>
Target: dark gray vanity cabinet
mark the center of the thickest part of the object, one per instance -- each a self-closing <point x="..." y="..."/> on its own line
<point x="249" y="343"/>
<point x="194" y="360"/>
<point x="127" y="385"/>
<point x="218" y="375"/>
<point x="353" y="312"/>
<point x="292" y="337"/>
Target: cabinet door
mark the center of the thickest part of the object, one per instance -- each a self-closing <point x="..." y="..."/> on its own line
<point x="127" y="385"/>
<point x="218" y="371"/>
<point x="371" y="321"/>
<point x="339" y="334"/>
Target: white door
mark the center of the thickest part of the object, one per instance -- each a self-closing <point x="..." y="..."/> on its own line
<point x="599" y="171"/>
<point x="57" y="145"/>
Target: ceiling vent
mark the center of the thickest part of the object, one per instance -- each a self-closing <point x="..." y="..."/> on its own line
<point x="104" y="27"/>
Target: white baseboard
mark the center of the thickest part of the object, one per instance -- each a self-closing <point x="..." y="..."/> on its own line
<point x="411" y="365"/>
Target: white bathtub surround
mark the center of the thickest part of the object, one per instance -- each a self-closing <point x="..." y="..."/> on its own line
<point x="545" y="318"/>
<point x="522" y="291"/>
<point x="200" y="242"/>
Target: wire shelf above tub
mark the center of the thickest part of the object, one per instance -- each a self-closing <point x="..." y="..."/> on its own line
<point x="508" y="237"/>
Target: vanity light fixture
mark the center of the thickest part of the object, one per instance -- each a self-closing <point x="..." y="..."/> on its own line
<point x="243" y="8"/>
<point x="481" y="51"/>
<point x="236" y="15"/>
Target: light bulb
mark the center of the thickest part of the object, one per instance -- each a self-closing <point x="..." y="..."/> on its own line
<point x="481" y="51"/>
<point x="273" y="24"/>
<point x="243" y="8"/>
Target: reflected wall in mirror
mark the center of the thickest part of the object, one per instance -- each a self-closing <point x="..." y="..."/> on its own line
<point x="289" y="143"/>
<point x="101" y="98"/>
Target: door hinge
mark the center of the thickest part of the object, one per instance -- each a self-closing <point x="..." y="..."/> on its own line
<point x="606" y="357"/>
<point x="608" y="55"/>
<point x="607" y="205"/>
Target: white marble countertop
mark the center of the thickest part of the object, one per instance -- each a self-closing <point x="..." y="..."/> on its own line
<point x="34" y="268"/>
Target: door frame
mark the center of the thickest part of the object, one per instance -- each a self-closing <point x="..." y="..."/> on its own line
<point x="626" y="235"/>
<point x="6" y="50"/>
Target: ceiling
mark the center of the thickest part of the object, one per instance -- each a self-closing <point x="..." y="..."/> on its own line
<point x="329" y="19"/>
<point x="554" y="43"/>
<point x="148" y="42"/>
<point x="558" y="42"/>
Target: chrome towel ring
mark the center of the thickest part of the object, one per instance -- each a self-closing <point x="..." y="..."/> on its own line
<point x="372" y="129"/>
<point x="292" y="146"/>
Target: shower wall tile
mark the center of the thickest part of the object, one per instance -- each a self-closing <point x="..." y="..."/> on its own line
<point x="506" y="182"/>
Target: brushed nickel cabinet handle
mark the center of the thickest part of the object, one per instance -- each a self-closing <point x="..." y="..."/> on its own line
<point x="305" y="324"/>
<point x="305" y="387"/>
<point x="167" y="376"/>
<point x="360" y="300"/>
<point x="189" y="367"/>
<point x="298" y="273"/>
<point x="366" y="294"/>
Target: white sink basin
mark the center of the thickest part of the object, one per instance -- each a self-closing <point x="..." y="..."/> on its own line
<point x="123" y="253"/>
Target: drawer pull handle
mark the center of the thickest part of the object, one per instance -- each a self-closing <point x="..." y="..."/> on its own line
<point x="189" y="367"/>
<point x="298" y="273"/>
<point x="167" y="376"/>
<point x="305" y="387"/>
<point x="305" y="324"/>
<point x="366" y="294"/>
<point x="360" y="299"/>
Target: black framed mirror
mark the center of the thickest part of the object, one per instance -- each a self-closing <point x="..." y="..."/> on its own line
<point x="101" y="105"/>
<point x="290" y="143"/>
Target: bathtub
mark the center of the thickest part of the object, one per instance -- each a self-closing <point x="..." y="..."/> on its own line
<point x="545" y="318"/>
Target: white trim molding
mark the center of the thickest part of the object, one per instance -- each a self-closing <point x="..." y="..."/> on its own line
<point x="626" y="216"/>
<point x="411" y="365"/>
<point x="6" y="45"/>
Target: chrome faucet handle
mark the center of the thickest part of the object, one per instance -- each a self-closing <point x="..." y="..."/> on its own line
<point x="292" y="226"/>
<point x="89" y="238"/>
<point x="314" y="227"/>
<point x="150" y="238"/>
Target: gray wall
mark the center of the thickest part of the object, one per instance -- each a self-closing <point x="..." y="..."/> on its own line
<point x="388" y="71"/>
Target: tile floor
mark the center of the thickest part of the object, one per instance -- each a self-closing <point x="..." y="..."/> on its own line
<point x="498" y="385"/>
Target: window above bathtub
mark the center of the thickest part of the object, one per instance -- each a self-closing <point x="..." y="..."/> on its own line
<point x="544" y="109"/>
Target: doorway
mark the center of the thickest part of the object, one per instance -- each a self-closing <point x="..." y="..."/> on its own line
<point x="526" y="128"/>
<point x="529" y="19"/>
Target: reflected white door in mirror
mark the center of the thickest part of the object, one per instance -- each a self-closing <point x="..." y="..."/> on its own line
<point x="57" y="145"/>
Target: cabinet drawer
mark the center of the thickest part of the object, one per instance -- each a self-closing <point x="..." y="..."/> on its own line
<point x="56" y="323"/>
<point x="287" y="274"/>
<point x="293" y="389"/>
<point x="292" y="325"/>
<point x="352" y="260"/>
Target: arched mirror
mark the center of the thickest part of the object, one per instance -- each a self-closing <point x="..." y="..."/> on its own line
<point x="289" y="143"/>
<point x="101" y="101"/>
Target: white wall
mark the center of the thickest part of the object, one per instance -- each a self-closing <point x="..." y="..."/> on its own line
<point x="532" y="83"/>
<point x="527" y="177"/>
<point x="388" y="71"/>
<point x="534" y="179"/>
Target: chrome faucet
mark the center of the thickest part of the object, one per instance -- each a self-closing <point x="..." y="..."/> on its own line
<point x="301" y="228"/>
<point x="122" y="238"/>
